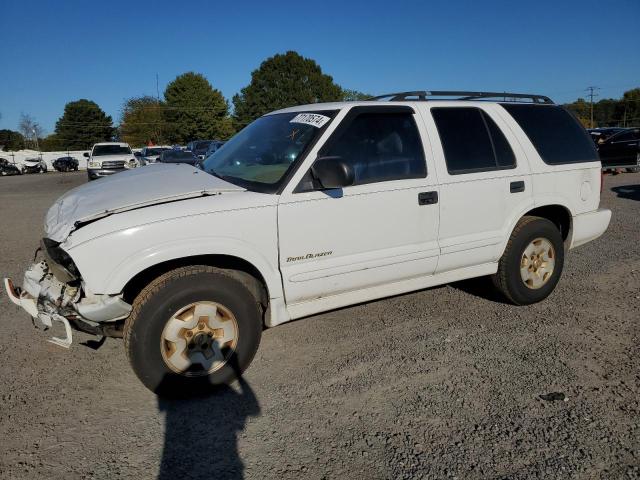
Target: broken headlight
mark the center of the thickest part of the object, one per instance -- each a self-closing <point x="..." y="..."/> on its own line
<point x="59" y="261"/>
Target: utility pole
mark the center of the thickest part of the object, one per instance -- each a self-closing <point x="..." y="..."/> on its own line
<point x="157" y="89"/>
<point x="592" y="94"/>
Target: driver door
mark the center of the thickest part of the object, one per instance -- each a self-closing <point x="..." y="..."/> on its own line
<point x="380" y="230"/>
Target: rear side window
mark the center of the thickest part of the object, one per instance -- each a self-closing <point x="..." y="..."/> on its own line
<point x="471" y="141"/>
<point x="555" y="133"/>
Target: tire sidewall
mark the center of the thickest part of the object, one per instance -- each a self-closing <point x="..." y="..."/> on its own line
<point x="144" y="343"/>
<point x="538" y="228"/>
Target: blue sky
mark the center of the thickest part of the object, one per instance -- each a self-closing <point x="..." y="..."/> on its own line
<point x="55" y="52"/>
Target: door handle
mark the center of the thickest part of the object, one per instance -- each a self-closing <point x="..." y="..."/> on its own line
<point x="517" y="187"/>
<point x="427" y="198"/>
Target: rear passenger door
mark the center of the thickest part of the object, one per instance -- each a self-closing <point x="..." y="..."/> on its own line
<point x="484" y="182"/>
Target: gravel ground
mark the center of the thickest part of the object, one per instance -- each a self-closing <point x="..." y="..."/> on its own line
<point x="441" y="383"/>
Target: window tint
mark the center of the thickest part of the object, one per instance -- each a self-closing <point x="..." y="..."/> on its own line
<point x="381" y="147"/>
<point x="471" y="140"/>
<point x="625" y="136"/>
<point x="554" y="132"/>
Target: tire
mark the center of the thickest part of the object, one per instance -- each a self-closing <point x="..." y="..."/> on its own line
<point x="534" y="233"/>
<point x="154" y="321"/>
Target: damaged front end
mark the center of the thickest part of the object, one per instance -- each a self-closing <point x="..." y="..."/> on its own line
<point x="53" y="291"/>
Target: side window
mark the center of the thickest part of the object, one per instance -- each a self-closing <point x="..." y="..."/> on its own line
<point x="625" y="137"/>
<point x="471" y="141"/>
<point x="556" y="135"/>
<point x="381" y="147"/>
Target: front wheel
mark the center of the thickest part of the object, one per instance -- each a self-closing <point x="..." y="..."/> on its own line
<point x="532" y="262"/>
<point x="192" y="329"/>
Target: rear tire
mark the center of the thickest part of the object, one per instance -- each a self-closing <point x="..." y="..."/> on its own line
<point x="191" y="330"/>
<point x="532" y="262"/>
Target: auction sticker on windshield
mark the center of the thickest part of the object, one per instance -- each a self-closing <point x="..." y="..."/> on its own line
<point x="313" y="119"/>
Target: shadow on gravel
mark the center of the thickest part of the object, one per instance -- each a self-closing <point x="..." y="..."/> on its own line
<point x="200" y="439"/>
<point x="480" y="287"/>
<point x="631" y="192"/>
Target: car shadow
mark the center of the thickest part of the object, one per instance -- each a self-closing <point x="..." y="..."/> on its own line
<point x="480" y="287"/>
<point x="200" y="439"/>
<point x="631" y="192"/>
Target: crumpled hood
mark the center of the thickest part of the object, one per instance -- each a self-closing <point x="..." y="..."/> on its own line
<point x="129" y="190"/>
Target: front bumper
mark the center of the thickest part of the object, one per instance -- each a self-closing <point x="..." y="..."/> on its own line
<point x="48" y="300"/>
<point x="102" y="172"/>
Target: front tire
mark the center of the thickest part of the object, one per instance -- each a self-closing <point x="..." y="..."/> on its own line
<point x="532" y="263"/>
<point x="191" y="330"/>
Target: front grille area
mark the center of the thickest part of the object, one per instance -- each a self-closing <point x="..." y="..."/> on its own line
<point x="113" y="164"/>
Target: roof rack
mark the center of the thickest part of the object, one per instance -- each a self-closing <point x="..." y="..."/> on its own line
<point x="423" y="95"/>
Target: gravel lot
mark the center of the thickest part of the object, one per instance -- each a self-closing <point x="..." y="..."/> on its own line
<point x="440" y="383"/>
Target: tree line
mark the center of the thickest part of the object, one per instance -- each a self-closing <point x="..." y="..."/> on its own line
<point x="191" y="108"/>
<point x="609" y="112"/>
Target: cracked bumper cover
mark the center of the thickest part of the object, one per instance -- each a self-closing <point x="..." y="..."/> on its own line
<point x="47" y="299"/>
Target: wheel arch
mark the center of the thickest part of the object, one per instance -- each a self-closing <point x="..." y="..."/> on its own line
<point x="558" y="214"/>
<point x="239" y="268"/>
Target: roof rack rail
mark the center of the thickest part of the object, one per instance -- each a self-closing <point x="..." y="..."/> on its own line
<point x="424" y="95"/>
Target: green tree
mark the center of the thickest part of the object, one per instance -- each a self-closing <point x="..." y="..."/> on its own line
<point x="282" y="81"/>
<point x="11" y="141"/>
<point x="609" y="112"/>
<point x="83" y="124"/>
<point x="581" y="109"/>
<point x="354" y="95"/>
<point x="195" y="110"/>
<point x="51" y="143"/>
<point x="142" y="121"/>
<point x="628" y="110"/>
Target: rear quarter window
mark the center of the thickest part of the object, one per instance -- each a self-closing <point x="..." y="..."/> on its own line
<point x="556" y="135"/>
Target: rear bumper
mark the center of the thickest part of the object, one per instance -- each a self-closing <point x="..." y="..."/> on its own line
<point x="589" y="226"/>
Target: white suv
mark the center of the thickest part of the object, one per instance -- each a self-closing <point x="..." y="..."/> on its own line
<point x="313" y="208"/>
<point x="108" y="158"/>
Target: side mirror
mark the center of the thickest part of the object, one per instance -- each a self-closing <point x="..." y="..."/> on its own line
<point x="333" y="172"/>
<point x="85" y="154"/>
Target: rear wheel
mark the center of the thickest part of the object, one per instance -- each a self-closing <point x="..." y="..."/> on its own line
<point x="532" y="263"/>
<point x="192" y="329"/>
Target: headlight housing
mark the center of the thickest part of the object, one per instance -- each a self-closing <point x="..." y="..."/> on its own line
<point x="94" y="164"/>
<point x="59" y="261"/>
<point x="133" y="163"/>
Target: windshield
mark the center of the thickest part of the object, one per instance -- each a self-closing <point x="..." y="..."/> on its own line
<point x="260" y="155"/>
<point x="100" y="150"/>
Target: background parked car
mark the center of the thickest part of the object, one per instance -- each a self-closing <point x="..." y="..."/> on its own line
<point x="599" y="135"/>
<point x="199" y="147"/>
<point x="66" y="164"/>
<point x="9" y="168"/>
<point x="151" y="154"/>
<point x="107" y="158"/>
<point x="621" y="150"/>
<point x="34" y="165"/>
<point x="213" y="147"/>
<point x="178" y="156"/>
